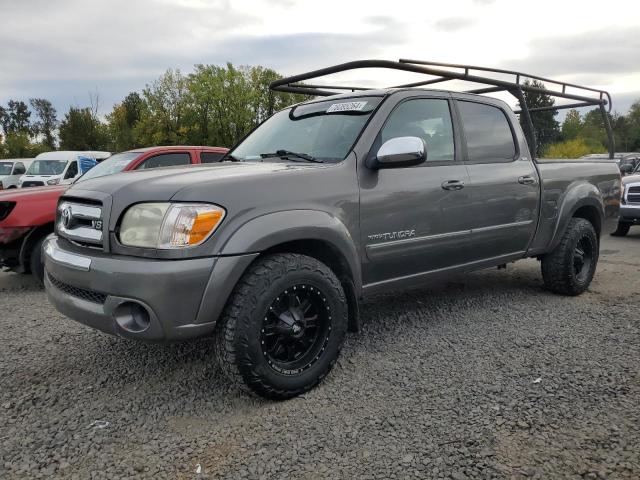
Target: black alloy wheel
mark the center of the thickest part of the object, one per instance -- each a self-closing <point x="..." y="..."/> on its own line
<point x="296" y="329"/>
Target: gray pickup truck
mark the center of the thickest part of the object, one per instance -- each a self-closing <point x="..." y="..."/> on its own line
<point x="324" y="203"/>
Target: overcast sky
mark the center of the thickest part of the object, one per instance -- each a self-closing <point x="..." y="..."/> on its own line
<point x="64" y="49"/>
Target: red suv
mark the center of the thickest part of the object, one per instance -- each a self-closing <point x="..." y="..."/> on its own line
<point x="27" y="215"/>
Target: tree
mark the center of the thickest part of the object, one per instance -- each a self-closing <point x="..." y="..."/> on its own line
<point x="121" y="122"/>
<point x="572" y="125"/>
<point x="163" y="113"/>
<point x="46" y="122"/>
<point x="81" y="130"/>
<point x="545" y="126"/>
<point x="15" y="118"/>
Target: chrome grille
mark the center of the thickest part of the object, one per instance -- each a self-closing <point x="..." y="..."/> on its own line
<point x="633" y="194"/>
<point x="81" y="223"/>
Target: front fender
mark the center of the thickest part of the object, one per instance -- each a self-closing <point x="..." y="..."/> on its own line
<point x="270" y="230"/>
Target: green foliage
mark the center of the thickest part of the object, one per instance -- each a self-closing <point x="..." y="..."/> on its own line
<point x="572" y="125"/>
<point x="573" y="148"/>
<point x="82" y="130"/>
<point x="46" y="122"/>
<point x="545" y="126"/>
<point x="212" y="106"/>
<point x="15" y="118"/>
<point x="19" y="145"/>
<point x="121" y="121"/>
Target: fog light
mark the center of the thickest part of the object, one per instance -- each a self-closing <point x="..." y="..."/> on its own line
<point x="132" y="317"/>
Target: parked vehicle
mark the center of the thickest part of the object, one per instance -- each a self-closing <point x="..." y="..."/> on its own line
<point x="54" y="168"/>
<point x="11" y="170"/>
<point x="626" y="161"/>
<point x="27" y="215"/>
<point x="325" y="203"/>
<point x="630" y="203"/>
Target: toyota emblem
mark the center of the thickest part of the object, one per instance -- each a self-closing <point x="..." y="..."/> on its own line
<point x="65" y="217"/>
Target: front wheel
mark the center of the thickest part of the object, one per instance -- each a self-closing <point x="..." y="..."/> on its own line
<point x="36" y="262"/>
<point x="622" y="230"/>
<point x="570" y="267"/>
<point x="283" y="327"/>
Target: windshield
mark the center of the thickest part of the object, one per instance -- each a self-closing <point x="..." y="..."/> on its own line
<point x="5" y="168"/>
<point x="325" y="131"/>
<point x="114" y="164"/>
<point x="47" y="167"/>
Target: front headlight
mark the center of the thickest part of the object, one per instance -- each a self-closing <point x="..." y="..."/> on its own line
<point x="53" y="181"/>
<point x="169" y="225"/>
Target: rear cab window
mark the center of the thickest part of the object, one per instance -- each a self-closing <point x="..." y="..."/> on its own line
<point x="165" y="160"/>
<point x="488" y="133"/>
<point x="210" y="157"/>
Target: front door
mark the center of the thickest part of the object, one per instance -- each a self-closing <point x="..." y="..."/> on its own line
<point x="504" y="182"/>
<point x="415" y="219"/>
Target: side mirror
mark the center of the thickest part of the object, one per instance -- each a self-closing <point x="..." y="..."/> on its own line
<point x="401" y="152"/>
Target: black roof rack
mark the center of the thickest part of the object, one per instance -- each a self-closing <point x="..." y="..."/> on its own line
<point x="443" y="72"/>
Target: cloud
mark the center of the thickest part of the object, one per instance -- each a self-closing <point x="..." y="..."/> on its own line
<point x="113" y="63"/>
<point x="453" y="24"/>
<point x="608" y="51"/>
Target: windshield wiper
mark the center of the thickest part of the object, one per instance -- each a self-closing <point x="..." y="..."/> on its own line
<point x="288" y="154"/>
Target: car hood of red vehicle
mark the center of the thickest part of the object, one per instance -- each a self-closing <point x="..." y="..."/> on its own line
<point x="18" y="194"/>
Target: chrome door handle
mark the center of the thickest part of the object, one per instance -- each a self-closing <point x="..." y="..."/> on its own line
<point x="526" y="180"/>
<point x="452" y="185"/>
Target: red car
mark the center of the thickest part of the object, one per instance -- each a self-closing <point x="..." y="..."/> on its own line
<point x="27" y="215"/>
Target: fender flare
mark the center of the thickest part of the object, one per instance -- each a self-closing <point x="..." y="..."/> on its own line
<point x="267" y="231"/>
<point x="583" y="194"/>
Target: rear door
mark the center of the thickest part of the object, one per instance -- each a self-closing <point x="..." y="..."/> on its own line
<point x="416" y="220"/>
<point x="504" y="182"/>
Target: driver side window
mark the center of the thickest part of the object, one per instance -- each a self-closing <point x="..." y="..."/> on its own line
<point x="429" y="119"/>
<point x="72" y="171"/>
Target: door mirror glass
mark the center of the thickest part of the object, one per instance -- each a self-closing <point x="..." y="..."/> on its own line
<point x="401" y="152"/>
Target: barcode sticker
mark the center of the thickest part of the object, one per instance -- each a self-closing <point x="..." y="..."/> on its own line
<point x="346" y="107"/>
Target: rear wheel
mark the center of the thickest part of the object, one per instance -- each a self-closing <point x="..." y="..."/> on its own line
<point x="622" y="230"/>
<point x="36" y="263"/>
<point x="283" y="327"/>
<point x="570" y="267"/>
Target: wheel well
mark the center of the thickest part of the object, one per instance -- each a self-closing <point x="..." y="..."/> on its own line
<point x="333" y="258"/>
<point x="33" y="236"/>
<point x="591" y="214"/>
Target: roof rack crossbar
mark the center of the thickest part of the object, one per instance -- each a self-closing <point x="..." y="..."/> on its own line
<point x="486" y="90"/>
<point x="422" y="83"/>
<point x="443" y="73"/>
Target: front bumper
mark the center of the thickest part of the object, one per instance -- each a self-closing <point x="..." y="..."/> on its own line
<point x="630" y="213"/>
<point x="146" y="299"/>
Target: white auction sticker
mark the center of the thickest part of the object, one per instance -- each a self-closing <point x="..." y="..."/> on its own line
<point x="346" y="107"/>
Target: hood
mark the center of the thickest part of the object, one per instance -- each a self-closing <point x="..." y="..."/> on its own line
<point x="635" y="178"/>
<point x="164" y="183"/>
<point x="18" y="194"/>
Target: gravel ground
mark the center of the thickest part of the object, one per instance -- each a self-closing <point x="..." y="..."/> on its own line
<point x="488" y="376"/>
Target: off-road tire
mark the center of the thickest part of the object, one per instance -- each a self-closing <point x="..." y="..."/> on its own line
<point x="558" y="269"/>
<point x="36" y="264"/>
<point x="238" y="336"/>
<point x="622" y="230"/>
